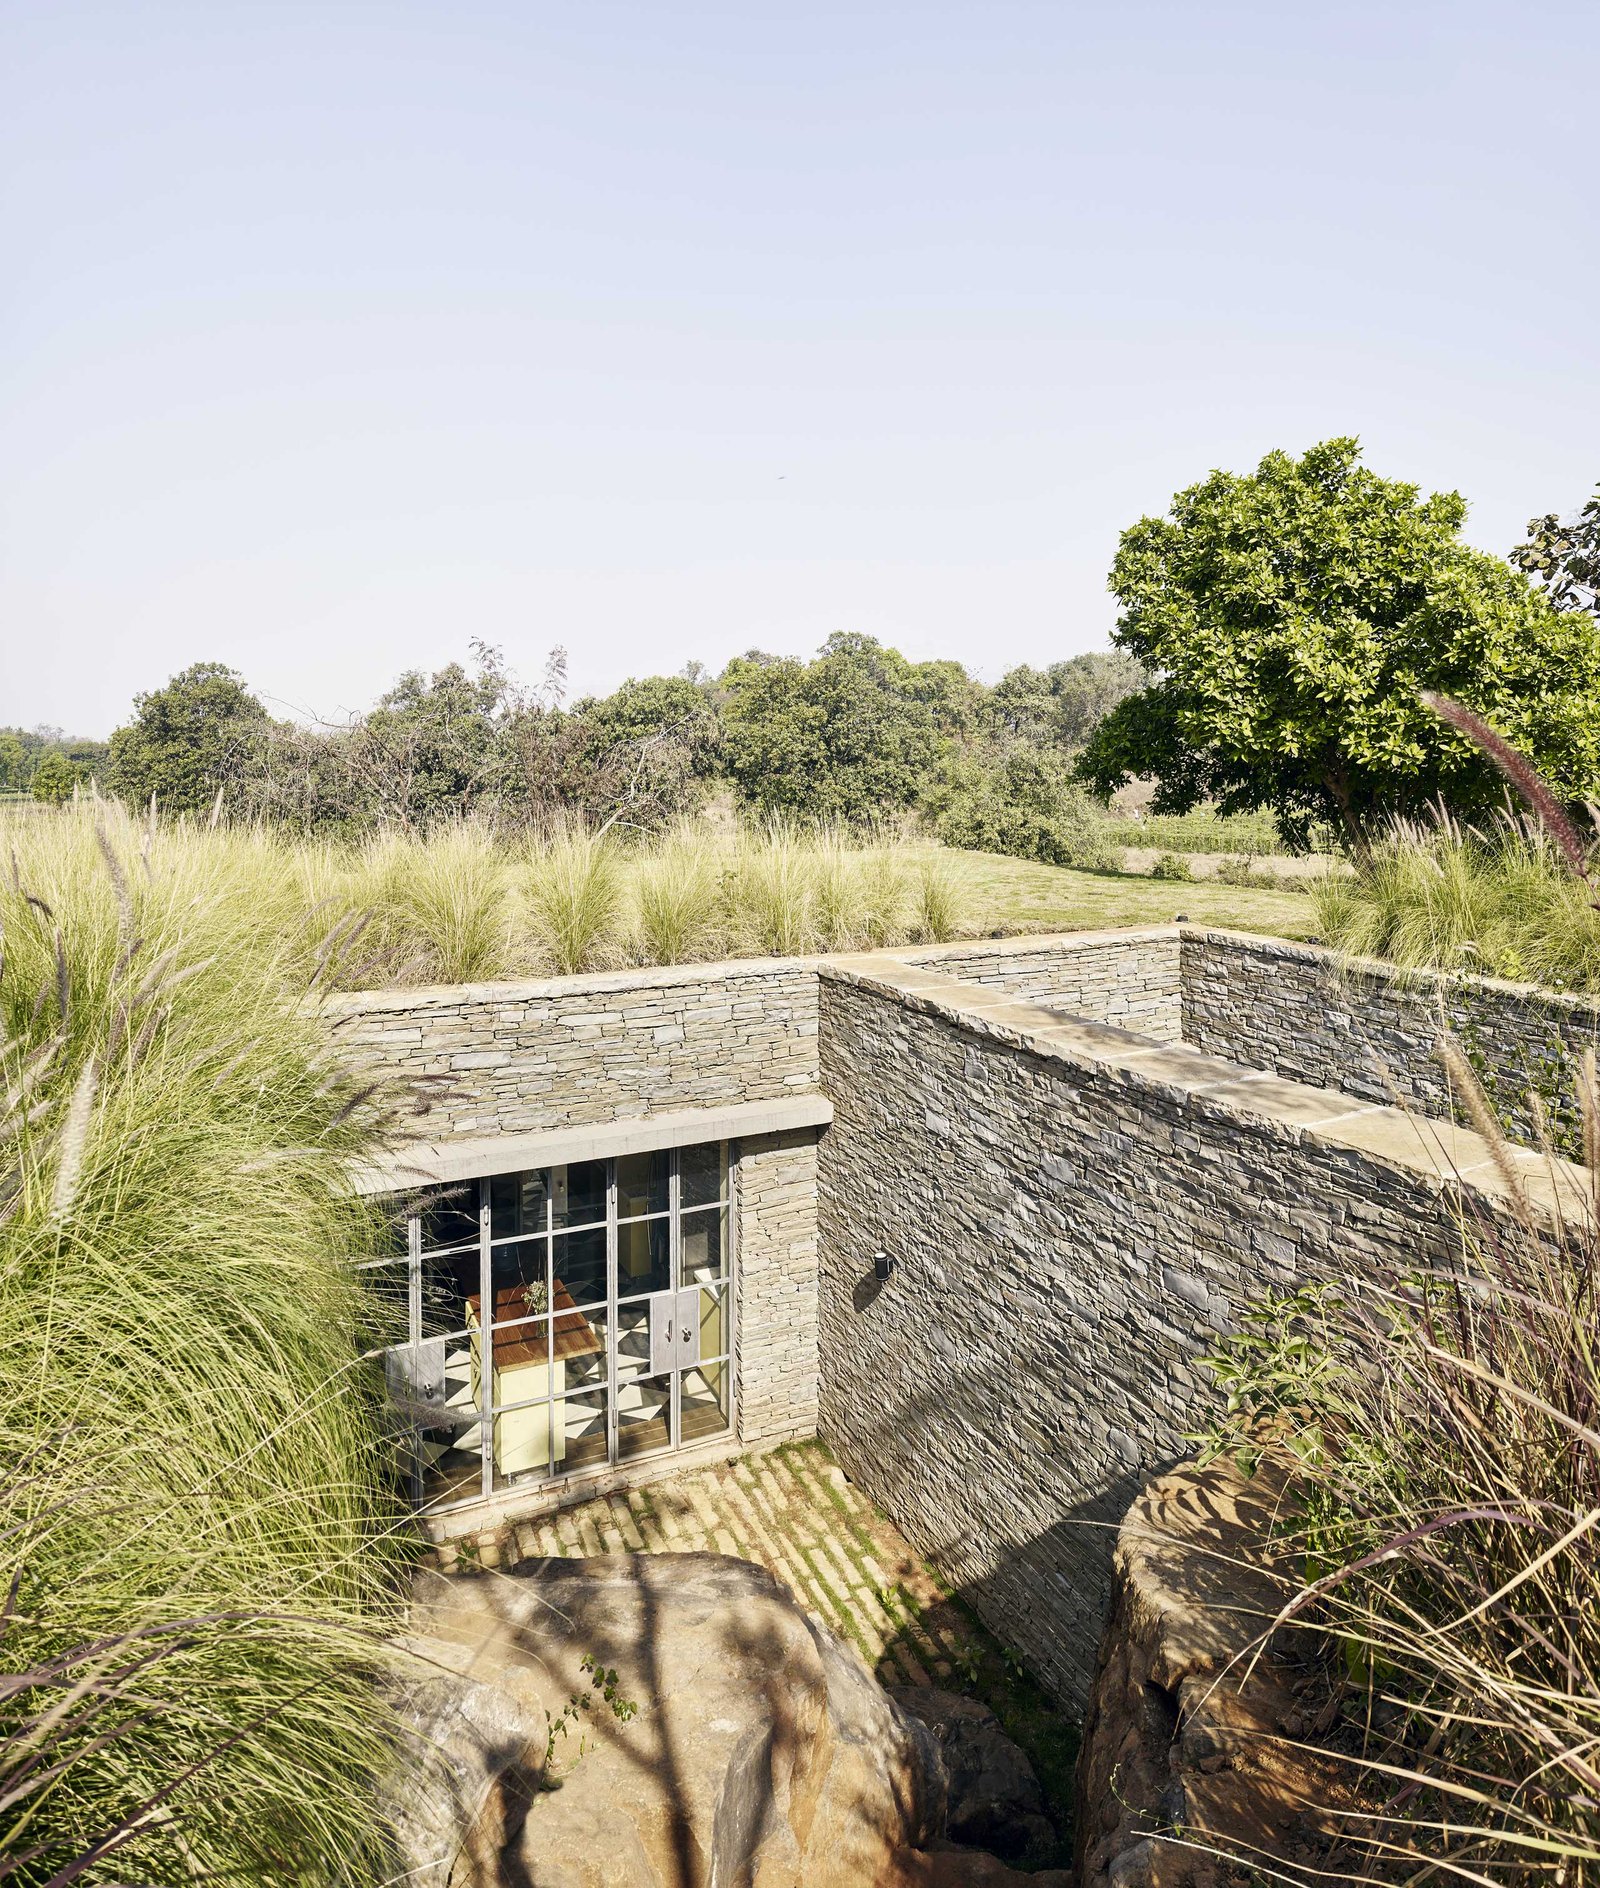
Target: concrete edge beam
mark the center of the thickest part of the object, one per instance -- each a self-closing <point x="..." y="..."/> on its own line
<point x="434" y="1163"/>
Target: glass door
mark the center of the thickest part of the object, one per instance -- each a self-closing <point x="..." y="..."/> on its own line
<point x="561" y="1319"/>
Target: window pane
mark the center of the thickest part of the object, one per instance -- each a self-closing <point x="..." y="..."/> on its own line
<point x="386" y="1303"/>
<point x="522" y="1442"/>
<point x="642" y="1184"/>
<point x="705" y="1247"/>
<point x="447" y="1284"/>
<point x="520" y="1274"/>
<point x="450" y="1217"/>
<point x="519" y="1203"/>
<point x="704" y="1405"/>
<point x="578" y="1193"/>
<point x="580" y="1267"/>
<point x="390" y="1238"/>
<point x="714" y="1322"/>
<point x="580" y="1349"/>
<point x="644" y="1256"/>
<point x="633" y="1339"/>
<point x="580" y="1433"/>
<point x="643" y="1415"/>
<point x="702" y="1172"/>
<point x="450" y="1443"/>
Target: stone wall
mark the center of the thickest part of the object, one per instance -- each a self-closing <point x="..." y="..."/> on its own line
<point x="775" y="1186"/>
<point x="1371" y="1030"/>
<point x="1073" y="1217"/>
<point x="1130" y="978"/>
<point x="518" y="1057"/>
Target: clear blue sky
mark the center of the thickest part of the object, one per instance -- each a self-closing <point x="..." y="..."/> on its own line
<point x="335" y="335"/>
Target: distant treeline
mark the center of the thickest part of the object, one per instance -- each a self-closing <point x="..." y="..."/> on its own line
<point x="48" y="763"/>
<point x="857" y="735"/>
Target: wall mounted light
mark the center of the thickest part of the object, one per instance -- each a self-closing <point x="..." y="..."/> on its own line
<point x="882" y="1265"/>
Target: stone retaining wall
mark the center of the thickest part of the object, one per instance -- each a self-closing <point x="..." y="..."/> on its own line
<point x="1371" y="1030"/>
<point x="1073" y="1217"/>
<point x="775" y="1188"/>
<point x="1130" y="978"/>
<point x="516" y="1057"/>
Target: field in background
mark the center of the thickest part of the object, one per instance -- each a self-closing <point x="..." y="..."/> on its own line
<point x="1000" y="894"/>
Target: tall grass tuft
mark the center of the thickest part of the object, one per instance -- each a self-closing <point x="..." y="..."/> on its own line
<point x="837" y="903"/>
<point x="196" y="1529"/>
<point x="574" y="893"/>
<point x="938" y="907"/>
<point x="885" y="897"/>
<point x="440" y="904"/>
<point x="1500" y="902"/>
<point x="774" y="890"/>
<point x="677" y="893"/>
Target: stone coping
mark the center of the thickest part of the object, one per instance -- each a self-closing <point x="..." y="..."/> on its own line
<point x="1401" y="976"/>
<point x="434" y="1163"/>
<point x="1436" y="1153"/>
<point x="341" y="1003"/>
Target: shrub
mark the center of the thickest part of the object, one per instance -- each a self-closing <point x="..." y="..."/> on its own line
<point x="1024" y="803"/>
<point x="1172" y="865"/>
<point x="773" y="890"/>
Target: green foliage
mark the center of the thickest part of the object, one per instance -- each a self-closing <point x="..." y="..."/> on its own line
<point x="1172" y="865"/>
<point x="1200" y="831"/>
<point x="198" y="736"/>
<point x="852" y="735"/>
<point x="1565" y="557"/>
<point x="14" y="765"/>
<point x="54" y="778"/>
<point x="1062" y="705"/>
<point x="1024" y="802"/>
<point x="195" y="1526"/>
<point x="1293" y="614"/>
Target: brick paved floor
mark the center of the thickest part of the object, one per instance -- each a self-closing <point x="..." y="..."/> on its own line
<point x="794" y="1512"/>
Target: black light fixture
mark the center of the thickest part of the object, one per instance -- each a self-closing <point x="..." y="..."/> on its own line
<point x="882" y="1265"/>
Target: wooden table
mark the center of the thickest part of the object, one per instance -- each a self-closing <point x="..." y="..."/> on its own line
<point x="523" y="1369"/>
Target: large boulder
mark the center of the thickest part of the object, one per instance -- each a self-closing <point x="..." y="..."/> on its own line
<point x="992" y="1796"/>
<point x="1191" y="1746"/>
<point x="761" y="1753"/>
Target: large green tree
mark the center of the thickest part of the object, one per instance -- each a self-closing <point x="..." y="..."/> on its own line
<point x="199" y="735"/>
<point x="852" y="735"/>
<point x="1564" y="556"/>
<point x="1290" y="617"/>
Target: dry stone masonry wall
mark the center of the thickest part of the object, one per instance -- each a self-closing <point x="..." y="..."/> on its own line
<point x="1130" y="978"/>
<point x="1073" y="1218"/>
<point x="519" y="1057"/>
<point x="775" y="1189"/>
<point x="1372" y="1031"/>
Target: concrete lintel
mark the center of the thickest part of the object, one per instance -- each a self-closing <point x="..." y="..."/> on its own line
<point x="432" y="1163"/>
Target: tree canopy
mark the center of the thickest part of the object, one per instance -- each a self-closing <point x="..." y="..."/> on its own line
<point x="186" y="741"/>
<point x="1290" y="617"/>
<point x="1565" y="557"/>
<point x="852" y="735"/>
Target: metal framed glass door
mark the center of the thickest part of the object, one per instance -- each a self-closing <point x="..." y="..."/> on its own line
<point x="561" y="1319"/>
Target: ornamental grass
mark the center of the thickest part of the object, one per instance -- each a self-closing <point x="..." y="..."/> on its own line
<point x="199" y="1546"/>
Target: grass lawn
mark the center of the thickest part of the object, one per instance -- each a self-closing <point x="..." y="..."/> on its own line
<point x="1016" y="895"/>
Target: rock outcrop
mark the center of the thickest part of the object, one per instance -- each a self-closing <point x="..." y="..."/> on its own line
<point x="761" y="1753"/>
<point x="1185" y="1731"/>
<point x="992" y="1796"/>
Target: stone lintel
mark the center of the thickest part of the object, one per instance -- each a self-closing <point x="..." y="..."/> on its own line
<point x="431" y="1163"/>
